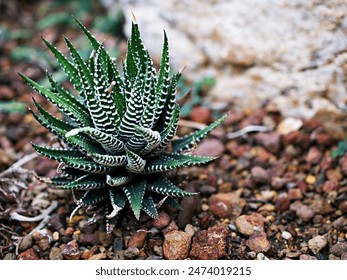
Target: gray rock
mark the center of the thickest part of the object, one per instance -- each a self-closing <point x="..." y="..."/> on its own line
<point x="26" y="243"/>
<point x="55" y="254"/>
<point x="317" y="243"/>
<point x="339" y="248"/>
<point x="131" y="252"/>
<point x="298" y="43"/>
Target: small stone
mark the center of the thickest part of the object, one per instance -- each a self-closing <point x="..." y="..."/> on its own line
<point x="105" y="239"/>
<point x="321" y="206"/>
<point x="189" y="229"/>
<point x="261" y="257"/>
<point x="323" y="139"/>
<point x="225" y="187"/>
<point x="334" y="174"/>
<point x="307" y="257"/>
<point x="55" y="254"/>
<point x="55" y="236"/>
<point x="282" y="203"/>
<point x="258" y="242"/>
<point x="131" y="252"/>
<point x="343" y="206"/>
<point x="286" y="235"/>
<point x="268" y="195"/>
<point x="210" y="244"/>
<point x="26" y="243"/>
<point x="305" y="213"/>
<point x="137" y="239"/>
<point x="87" y="254"/>
<point x="10" y="257"/>
<point x="158" y="250"/>
<point x="100" y="256"/>
<point x="340" y="223"/>
<point x="207" y="190"/>
<point x="310" y="179"/>
<point x="226" y="205"/>
<point x="71" y="251"/>
<point x="289" y="125"/>
<point x="162" y="221"/>
<point x="118" y="244"/>
<point x="344" y="256"/>
<point x="28" y="254"/>
<point x="55" y="222"/>
<point x="314" y="155"/>
<point x="270" y="140"/>
<point x="339" y="248"/>
<point x="317" y="243"/>
<point x="330" y="185"/>
<point x="259" y="175"/>
<point x="333" y="257"/>
<point x="172" y="226"/>
<point x="89" y="238"/>
<point x="250" y="224"/>
<point x="176" y="245"/>
<point x="44" y="243"/>
<point x="295" y="194"/>
<point x="210" y="147"/>
<point x="293" y="254"/>
<point x="205" y="207"/>
<point x="201" y="114"/>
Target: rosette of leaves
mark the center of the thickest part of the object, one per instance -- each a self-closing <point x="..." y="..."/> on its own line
<point x="117" y="130"/>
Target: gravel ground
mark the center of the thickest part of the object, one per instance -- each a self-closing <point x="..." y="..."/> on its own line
<point x="268" y="196"/>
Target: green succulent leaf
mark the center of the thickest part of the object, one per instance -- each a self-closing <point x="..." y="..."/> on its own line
<point x="164" y="186"/>
<point x="149" y="207"/>
<point x="187" y="142"/>
<point x="165" y="162"/>
<point x="134" y="194"/>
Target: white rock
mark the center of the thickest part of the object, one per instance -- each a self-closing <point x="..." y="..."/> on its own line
<point x="286" y="235"/>
<point x="289" y="125"/>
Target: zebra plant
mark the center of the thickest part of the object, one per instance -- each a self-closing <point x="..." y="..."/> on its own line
<point x="117" y="131"/>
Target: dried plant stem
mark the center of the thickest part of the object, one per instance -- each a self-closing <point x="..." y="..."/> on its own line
<point x="44" y="214"/>
<point x="247" y="129"/>
<point x="19" y="163"/>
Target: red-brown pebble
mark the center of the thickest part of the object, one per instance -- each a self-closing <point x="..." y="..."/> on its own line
<point x="71" y="251"/>
<point x="29" y="254"/>
<point x="210" y="244"/>
<point x="137" y="239"/>
<point x="226" y="205"/>
<point x="176" y="245"/>
<point x="162" y="221"/>
<point x="258" y="242"/>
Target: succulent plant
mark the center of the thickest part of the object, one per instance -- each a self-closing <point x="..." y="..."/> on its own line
<point x="117" y="130"/>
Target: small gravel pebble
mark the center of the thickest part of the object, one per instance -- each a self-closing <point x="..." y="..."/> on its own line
<point x="286" y="235"/>
<point x="176" y="245"/>
<point x="250" y="224"/>
<point x="258" y="242"/>
<point x="162" y="221"/>
<point x="317" y="243"/>
<point x="71" y="251"/>
<point x="339" y="248"/>
<point x="55" y="254"/>
<point x="137" y="239"/>
<point x="131" y="252"/>
<point x="210" y="244"/>
<point x="26" y="243"/>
